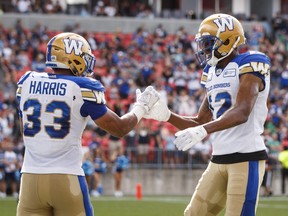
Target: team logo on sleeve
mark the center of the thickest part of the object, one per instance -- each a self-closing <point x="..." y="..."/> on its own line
<point x="223" y="23"/>
<point x="261" y="67"/>
<point x="71" y="45"/>
<point x="93" y="95"/>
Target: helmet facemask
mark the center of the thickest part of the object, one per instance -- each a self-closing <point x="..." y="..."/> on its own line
<point x="90" y="63"/>
<point x="206" y="47"/>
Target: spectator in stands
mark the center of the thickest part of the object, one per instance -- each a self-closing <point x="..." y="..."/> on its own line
<point x="124" y="8"/>
<point x="167" y="75"/>
<point x="193" y="79"/>
<point x="145" y="11"/>
<point x="278" y="25"/>
<point x="180" y="77"/>
<point x="189" y="58"/>
<point x="49" y="7"/>
<point x="111" y="9"/>
<point x="184" y="104"/>
<point x="190" y="14"/>
<point x="123" y="82"/>
<point x="39" y="63"/>
<point x="99" y="9"/>
<point x="145" y="77"/>
<point x="182" y="35"/>
<point x="91" y="40"/>
<point x="274" y="145"/>
<point x="276" y="110"/>
<point x="139" y="36"/>
<point x="58" y="7"/>
<point x="23" y="58"/>
<point x="255" y="37"/>
<point x="160" y="34"/>
<point x="24" y="6"/>
<point x="6" y="121"/>
<point x="284" y="79"/>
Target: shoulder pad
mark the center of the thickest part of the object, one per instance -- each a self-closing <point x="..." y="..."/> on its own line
<point x="85" y="82"/>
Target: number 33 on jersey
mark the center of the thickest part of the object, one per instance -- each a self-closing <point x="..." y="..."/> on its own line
<point x="54" y="110"/>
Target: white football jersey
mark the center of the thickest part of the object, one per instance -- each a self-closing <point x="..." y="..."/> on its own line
<point x="54" y="111"/>
<point x="222" y="86"/>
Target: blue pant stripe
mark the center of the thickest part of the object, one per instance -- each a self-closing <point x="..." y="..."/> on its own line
<point x="87" y="205"/>
<point x="251" y="190"/>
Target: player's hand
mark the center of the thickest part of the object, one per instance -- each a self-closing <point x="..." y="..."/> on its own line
<point x="187" y="138"/>
<point x="147" y="99"/>
<point x="159" y="112"/>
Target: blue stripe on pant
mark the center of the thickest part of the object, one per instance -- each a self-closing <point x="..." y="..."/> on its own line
<point x="251" y="190"/>
<point x="87" y="205"/>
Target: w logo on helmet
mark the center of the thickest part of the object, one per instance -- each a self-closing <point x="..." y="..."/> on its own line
<point x="223" y="23"/>
<point x="71" y="45"/>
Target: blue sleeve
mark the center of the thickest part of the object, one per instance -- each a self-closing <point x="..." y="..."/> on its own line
<point x="94" y="110"/>
<point x="254" y="56"/>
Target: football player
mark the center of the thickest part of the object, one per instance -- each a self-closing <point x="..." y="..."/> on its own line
<point x="54" y="109"/>
<point x="234" y="111"/>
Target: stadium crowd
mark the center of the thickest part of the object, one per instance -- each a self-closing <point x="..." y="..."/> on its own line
<point x="106" y="8"/>
<point x="124" y="63"/>
<point x="103" y="8"/>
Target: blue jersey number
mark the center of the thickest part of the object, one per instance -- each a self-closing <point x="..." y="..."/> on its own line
<point x="225" y="97"/>
<point x="52" y="131"/>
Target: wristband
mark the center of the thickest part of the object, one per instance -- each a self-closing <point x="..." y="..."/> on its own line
<point x="139" y="111"/>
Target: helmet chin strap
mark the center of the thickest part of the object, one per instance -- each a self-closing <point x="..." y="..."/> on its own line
<point x="214" y="60"/>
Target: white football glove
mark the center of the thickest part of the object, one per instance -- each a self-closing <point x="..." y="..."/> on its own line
<point x="187" y="138"/>
<point x="145" y="101"/>
<point x="159" y="112"/>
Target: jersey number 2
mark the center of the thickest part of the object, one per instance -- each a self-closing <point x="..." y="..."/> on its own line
<point x="35" y="118"/>
<point x="223" y="97"/>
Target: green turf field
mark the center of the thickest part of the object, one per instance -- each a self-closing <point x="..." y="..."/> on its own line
<point x="154" y="206"/>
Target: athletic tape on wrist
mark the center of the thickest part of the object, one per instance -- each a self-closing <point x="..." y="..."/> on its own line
<point x="139" y="111"/>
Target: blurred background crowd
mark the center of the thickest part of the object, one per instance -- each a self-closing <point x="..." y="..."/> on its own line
<point x="125" y="62"/>
<point x="125" y="8"/>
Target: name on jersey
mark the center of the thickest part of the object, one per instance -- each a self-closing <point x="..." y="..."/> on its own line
<point x="218" y="85"/>
<point x="48" y="88"/>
